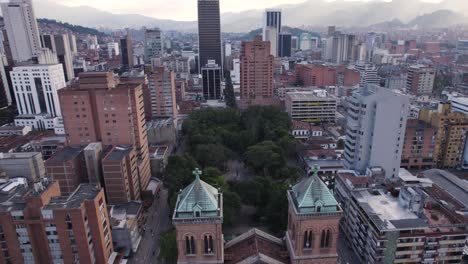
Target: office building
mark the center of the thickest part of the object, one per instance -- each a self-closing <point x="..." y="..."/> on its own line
<point x="39" y="226"/>
<point x="451" y="135"/>
<point x="272" y="29"/>
<point x="153" y="44"/>
<point x="307" y="42"/>
<point x="341" y="48"/>
<point x="211" y="79"/>
<point x="209" y="35"/>
<point x="73" y="46"/>
<point x="284" y="45"/>
<point x="22" y="164"/>
<point x="235" y="72"/>
<point x="420" y="80"/>
<point x="162" y="91"/>
<point x="120" y="173"/>
<point x="295" y="43"/>
<point x="6" y="94"/>
<point x="375" y="129"/>
<point x="22" y="30"/>
<point x="419" y="145"/>
<point x="256" y="69"/>
<point x="127" y="52"/>
<point x="416" y="225"/>
<point x="60" y="45"/>
<point x="227" y="49"/>
<point x="368" y="74"/>
<point x="92" y="112"/>
<point x="113" y="49"/>
<point x="311" y="107"/>
<point x="68" y="168"/>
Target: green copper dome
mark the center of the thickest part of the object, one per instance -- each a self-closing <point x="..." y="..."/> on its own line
<point x="311" y="195"/>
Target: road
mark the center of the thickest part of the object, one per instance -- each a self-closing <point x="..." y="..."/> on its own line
<point x="157" y="221"/>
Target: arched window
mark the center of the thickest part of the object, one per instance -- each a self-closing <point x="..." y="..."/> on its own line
<point x="325" y="239"/>
<point x="190" y="245"/>
<point x="308" y="239"/>
<point x="208" y="244"/>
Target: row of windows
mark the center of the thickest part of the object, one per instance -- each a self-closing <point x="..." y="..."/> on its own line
<point x="190" y="248"/>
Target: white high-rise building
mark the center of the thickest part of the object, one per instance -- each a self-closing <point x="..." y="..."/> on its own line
<point x="227" y="49"/>
<point x="375" y="130"/>
<point x="271" y="35"/>
<point x="113" y="49"/>
<point x="368" y="74"/>
<point x="272" y="22"/>
<point x="22" y="31"/>
<point x="36" y="87"/>
<point x="235" y="73"/>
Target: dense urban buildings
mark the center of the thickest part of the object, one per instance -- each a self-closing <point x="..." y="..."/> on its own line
<point x="376" y="123"/>
<point x="420" y="80"/>
<point x="256" y="70"/>
<point x="162" y="92"/>
<point x="60" y="45"/>
<point x="209" y="34"/>
<point x="92" y="110"/>
<point x="21" y="28"/>
<point x="39" y="226"/>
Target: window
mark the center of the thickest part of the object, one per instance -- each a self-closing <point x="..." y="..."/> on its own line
<point x="209" y="244"/>
<point x="308" y="239"/>
<point x="325" y="239"/>
<point x="190" y="245"/>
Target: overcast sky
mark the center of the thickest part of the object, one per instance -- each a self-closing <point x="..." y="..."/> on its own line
<point x="178" y="9"/>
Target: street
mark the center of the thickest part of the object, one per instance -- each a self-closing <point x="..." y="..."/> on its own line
<point x="157" y="222"/>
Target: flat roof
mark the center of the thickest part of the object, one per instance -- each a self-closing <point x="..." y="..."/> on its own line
<point x="118" y="153"/>
<point x="65" y="154"/>
<point x="308" y="96"/>
<point x="385" y="210"/>
<point x="454" y="186"/>
<point x="324" y="163"/>
<point x="82" y="193"/>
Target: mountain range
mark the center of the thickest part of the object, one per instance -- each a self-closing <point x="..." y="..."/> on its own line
<point x="311" y="13"/>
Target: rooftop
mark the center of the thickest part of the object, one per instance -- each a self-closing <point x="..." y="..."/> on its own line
<point x="84" y="192"/>
<point x="65" y="154"/>
<point x="454" y="186"/>
<point x="18" y="155"/>
<point x="160" y="123"/>
<point x="385" y="210"/>
<point x="118" y="153"/>
<point x="313" y="95"/>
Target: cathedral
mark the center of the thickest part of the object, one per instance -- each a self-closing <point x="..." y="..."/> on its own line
<point x="311" y="236"/>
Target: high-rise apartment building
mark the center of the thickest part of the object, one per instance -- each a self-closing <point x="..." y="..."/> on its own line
<point x="375" y="130"/>
<point x="368" y="74"/>
<point x="22" y="30"/>
<point x="419" y="146"/>
<point x="127" y="52"/>
<point x="341" y="48"/>
<point x="162" y="91"/>
<point x="284" y="49"/>
<point x="209" y="34"/>
<point x="272" y="29"/>
<point x="92" y="112"/>
<point x="451" y="134"/>
<point x="39" y="226"/>
<point x="153" y="44"/>
<point x="211" y="78"/>
<point x="256" y="69"/>
<point x="60" y="45"/>
<point x="420" y="80"/>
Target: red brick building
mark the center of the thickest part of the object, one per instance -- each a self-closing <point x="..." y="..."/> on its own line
<point x="37" y="226"/>
<point x="419" y="145"/>
<point x="162" y="94"/>
<point x="256" y="69"/>
<point x="68" y="168"/>
<point x="120" y="171"/>
<point x="99" y="108"/>
<point x="323" y="75"/>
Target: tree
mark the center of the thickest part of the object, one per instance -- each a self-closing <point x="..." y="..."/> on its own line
<point x="179" y="172"/>
<point x="212" y="155"/>
<point x="168" y="251"/>
<point x="229" y="95"/>
<point x="231" y="207"/>
<point x="340" y="144"/>
<point x="215" y="178"/>
<point x="265" y="157"/>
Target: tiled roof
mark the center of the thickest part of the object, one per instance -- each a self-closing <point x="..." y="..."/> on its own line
<point x="200" y="197"/>
<point x="312" y="195"/>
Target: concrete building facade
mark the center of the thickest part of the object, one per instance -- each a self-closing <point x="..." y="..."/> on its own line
<point x="419" y="145"/>
<point x="23" y="164"/>
<point x="162" y="91"/>
<point x="153" y="44"/>
<point x="311" y="107"/>
<point x="420" y="80"/>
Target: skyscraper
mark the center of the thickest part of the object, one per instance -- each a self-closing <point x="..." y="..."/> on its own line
<point x="209" y="33"/>
<point x="153" y="44"/>
<point x="375" y="130"/>
<point x="271" y="36"/>
<point x="60" y="44"/>
<point x="272" y="19"/>
<point x="211" y="78"/>
<point x="285" y="43"/>
<point x="21" y="26"/>
<point x="256" y="69"/>
<point x="127" y="52"/>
